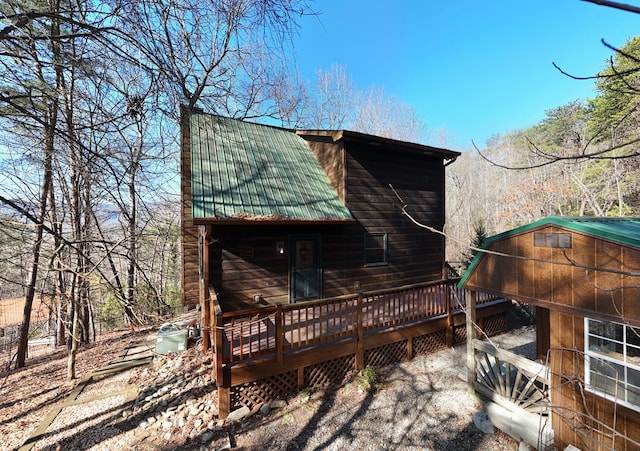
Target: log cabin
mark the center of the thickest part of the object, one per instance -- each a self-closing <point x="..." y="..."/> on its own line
<point x="271" y="215"/>
<point x="583" y="276"/>
<point x="297" y="249"/>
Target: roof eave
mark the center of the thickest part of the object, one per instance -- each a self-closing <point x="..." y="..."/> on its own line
<point x="347" y="135"/>
<point x="556" y="221"/>
<point x="271" y="222"/>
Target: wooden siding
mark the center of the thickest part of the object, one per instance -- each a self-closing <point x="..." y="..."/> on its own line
<point x="189" y="232"/>
<point x="331" y="157"/>
<point x="595" y="277"/>
<point x="250" y="266"/>
<point x="419" y="180"/>
<point x="569" y="399"/>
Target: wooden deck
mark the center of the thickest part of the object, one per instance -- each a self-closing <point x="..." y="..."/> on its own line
<point x="287" y="346"/>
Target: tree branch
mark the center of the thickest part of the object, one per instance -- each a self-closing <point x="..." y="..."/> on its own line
<point x="615" y="5"/>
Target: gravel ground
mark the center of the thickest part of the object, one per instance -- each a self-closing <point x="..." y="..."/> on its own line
<point x="418" y="405"/>
<point x="421" y="404"/>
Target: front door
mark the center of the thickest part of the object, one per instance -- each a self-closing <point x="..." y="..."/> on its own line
<point x="306" y="273"/>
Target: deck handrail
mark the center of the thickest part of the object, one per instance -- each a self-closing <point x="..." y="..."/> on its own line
<point x="274" y="329"/>
<point x="510" y="379"/>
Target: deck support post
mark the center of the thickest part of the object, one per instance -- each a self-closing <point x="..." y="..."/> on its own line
<point x="223" y="376"/>
<point x="449" y="336"/>
<point x="470" y="307"/>
<point x="360" y="342"/>
<point x="205" y="295"/>
<point x="279" y="335"/>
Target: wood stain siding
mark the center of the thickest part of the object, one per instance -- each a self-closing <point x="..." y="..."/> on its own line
<point x="567" y="332"/>
<point x="583" y="279"/>
<point x="189" y="232"/>
<point x="597" y="277"/>
<point x="362" y="177"/>
<point x="414" y="254"/>
<point x="331" y="157"/>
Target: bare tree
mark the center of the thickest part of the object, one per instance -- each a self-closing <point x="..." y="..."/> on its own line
<point x="337" y="103"/>
<point x="91" y="85"/>
<point x="224" y="54"/>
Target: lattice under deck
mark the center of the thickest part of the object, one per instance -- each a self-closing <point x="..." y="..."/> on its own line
<point x="494" y="325"/>
<point x="426" y="344"/>
<point x="261" y="392"/>
<point x="459" y="334"/>
<point x="330" y="372"/>
<point x="386" y="355"/>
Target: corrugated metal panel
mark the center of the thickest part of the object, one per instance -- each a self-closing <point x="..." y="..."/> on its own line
<point x="623" y="230"/>
<point x="242" y="170"/>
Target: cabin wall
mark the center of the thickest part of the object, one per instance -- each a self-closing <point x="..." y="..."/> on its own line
<point x="189" y="231"/>
<point x="331" y="157"/>
<point x="571" y="402"/>
<point x="248" y="264"/>
<point x="244" y="261"/>
<point x="415" y="254"/>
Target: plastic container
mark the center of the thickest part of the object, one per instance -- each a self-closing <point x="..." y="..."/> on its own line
<point x="171" y="338"/>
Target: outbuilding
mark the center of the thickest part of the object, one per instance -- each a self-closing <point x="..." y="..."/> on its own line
<point x="583" y="276"/>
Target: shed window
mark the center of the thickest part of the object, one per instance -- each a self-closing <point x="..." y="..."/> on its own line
<point x="375" y="249"/>
<point x="557" y="240"/>
<point x="612" y="366"/>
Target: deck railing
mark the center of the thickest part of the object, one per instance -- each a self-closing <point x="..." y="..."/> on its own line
<point x="275" y="329"/>
<point x="510" y="379"/>
<point x="266" y="352"/>
<point x="518" y="392"/>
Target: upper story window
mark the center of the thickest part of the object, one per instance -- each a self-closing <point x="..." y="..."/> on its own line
<point x="612" y="361"/>
<point x="375" y="249"/>
<point x="557" y="240"/>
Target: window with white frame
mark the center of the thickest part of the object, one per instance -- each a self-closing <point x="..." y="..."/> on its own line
<point x="612" y="362"/>
<point x="375" y="249"/>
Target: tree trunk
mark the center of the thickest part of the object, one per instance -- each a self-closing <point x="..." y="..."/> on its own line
<point x="131" y="267"/>
<point x="73" y="349"/>
<point x="33" y="277"/>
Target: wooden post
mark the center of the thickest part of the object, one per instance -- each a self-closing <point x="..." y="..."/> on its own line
<point x="205" y="296"/>
<point x="470" y="306"/>
<point x="223" y="376"/>
<point x="279" y="332"/>
<point x="360" y="341"/>
<point x="449" y="336"/>
<point x="206" y="322"/>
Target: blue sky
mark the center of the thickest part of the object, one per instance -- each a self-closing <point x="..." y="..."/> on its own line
<point x="473" y="68"/>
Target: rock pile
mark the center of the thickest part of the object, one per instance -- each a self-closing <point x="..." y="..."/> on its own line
<point x="177" y="403"/>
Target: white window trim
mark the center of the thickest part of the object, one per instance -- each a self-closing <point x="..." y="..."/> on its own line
<point x="622" y="379"/>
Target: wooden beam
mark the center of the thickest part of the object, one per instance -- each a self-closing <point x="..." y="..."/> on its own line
<point x="360" y="341"/>
<point x="471" y="323"/>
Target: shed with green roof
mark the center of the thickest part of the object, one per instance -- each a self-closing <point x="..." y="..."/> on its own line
<point x="582" y="274"/>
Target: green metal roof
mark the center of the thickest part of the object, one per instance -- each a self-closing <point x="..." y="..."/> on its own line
<point x="625" y="231"/>
<point x="241" y="170"/>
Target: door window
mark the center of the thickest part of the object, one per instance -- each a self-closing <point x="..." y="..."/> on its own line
<point x="305" y="269"/>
